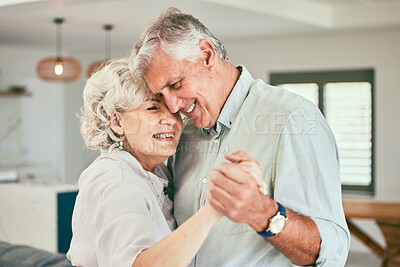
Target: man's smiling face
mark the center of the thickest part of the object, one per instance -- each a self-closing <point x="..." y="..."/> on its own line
<point x="187" y="87"/>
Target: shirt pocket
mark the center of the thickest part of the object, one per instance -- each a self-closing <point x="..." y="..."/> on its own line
<point x="228" y="227"/>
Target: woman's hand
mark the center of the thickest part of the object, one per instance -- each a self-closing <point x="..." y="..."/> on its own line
<point x="236" y="190"/>
<point x="250" y="166"/>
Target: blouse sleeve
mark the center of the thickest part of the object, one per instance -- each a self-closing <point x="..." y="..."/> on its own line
<point x="124" y="225"/>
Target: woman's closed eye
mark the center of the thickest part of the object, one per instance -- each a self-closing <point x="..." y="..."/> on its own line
<point x="153" y="108"/>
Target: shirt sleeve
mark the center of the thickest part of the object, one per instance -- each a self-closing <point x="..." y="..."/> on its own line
<point x="124" y="225"/>
<point x="307" y="180"/>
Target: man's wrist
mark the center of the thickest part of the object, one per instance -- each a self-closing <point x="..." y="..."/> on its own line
<point x="276" y="223"/>
<point x="269" y="210"/>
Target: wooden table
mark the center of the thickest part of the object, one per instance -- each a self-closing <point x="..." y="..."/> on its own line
<point x="387" y="217"/>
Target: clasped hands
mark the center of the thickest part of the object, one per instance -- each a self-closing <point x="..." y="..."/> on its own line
<point x="236" y="190"/>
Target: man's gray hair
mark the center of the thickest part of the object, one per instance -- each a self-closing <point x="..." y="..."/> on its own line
<point x="178" y="35"/>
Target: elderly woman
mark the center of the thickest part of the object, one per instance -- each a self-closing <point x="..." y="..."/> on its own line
<point x="122" y="215"/>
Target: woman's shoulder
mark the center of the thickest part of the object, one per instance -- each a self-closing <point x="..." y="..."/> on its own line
<point x="112" y="168"/>
<point x="109" y="180"/>
<point x="103" y="165"/>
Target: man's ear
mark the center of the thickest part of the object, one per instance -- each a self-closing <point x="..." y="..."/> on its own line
<point x="115" y="123"/>
<point x="207" y="53"/>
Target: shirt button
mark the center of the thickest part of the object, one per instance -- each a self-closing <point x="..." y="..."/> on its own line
<point x="205" y="180"/>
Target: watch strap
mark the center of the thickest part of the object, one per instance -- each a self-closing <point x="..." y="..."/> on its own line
<point x="281" y="211"/>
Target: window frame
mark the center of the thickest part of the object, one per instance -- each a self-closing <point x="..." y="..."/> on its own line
<point x="323" y="77"/>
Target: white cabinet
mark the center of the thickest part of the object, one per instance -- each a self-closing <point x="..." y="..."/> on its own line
<point x="37" y="215"/>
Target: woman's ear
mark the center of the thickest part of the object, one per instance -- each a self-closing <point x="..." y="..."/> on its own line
<point x="115" y="123"/>
<point x="207" y="53"/>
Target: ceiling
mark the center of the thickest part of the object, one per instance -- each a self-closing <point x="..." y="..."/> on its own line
<point x="30" y="23"/>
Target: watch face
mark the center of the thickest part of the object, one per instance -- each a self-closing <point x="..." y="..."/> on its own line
<point x="277" y="224"/>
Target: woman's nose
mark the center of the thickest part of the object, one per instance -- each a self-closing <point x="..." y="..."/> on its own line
<point x="168" y="117"/>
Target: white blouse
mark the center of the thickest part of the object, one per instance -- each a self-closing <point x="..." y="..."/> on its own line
<point x="120" y="210"/>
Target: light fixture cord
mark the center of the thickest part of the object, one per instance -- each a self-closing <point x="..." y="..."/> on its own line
<point x="58" y="22"/>
<point x="107" y="46"/>
<point x="59" y="40"/>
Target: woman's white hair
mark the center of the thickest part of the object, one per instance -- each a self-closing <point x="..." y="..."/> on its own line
<point x="178" y="35"/>
<point x="110" y="90"/>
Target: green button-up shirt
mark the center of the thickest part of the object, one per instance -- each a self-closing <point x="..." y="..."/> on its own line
<point x="290" y="138"/>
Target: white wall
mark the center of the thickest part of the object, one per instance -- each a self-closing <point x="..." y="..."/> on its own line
<point x="50" y="140"/>
<point x="49" y="132"/>
<point x="379" y="50"/>
<point x="42" y="126"/>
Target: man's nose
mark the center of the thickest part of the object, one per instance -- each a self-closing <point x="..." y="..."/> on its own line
<point x="172" y="101"/>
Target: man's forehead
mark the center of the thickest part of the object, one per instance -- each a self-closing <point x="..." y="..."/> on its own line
<point x="163" y="71"/>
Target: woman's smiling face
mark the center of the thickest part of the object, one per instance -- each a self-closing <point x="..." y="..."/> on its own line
<point x="152" y="132"/>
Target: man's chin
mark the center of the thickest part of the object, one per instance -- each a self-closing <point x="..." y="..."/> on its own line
<point x="198" y="123"/>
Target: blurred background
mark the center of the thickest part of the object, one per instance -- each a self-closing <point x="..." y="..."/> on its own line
<point x="343" y="55"/>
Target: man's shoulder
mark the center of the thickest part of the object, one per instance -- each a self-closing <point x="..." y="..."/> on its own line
<point x="278" y="99"/>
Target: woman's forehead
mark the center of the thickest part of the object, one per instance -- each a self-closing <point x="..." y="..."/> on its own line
<point x="153" y="99"/>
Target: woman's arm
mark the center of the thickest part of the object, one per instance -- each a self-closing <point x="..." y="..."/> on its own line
<point x="179" y="247"/>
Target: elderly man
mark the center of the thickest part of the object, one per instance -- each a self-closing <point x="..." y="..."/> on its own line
<point x="299" y="220"/>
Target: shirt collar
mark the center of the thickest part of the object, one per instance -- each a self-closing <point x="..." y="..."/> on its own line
<point x="234" y="102"/>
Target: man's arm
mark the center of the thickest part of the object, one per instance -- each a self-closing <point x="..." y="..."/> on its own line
<point x="304" y="177"/>
<point x="234" y="193"/>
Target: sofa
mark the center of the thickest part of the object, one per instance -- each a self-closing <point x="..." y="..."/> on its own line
<point x="25" y="256"/>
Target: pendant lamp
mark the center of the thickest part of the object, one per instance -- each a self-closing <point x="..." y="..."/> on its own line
<point x="59" y="68"/>
<point x="97" y="65"/>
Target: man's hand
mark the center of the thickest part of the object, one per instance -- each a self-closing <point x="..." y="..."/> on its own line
<point x="236" y="189"/>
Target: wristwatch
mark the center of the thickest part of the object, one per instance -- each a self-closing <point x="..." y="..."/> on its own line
<point x="276" y="223"/>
